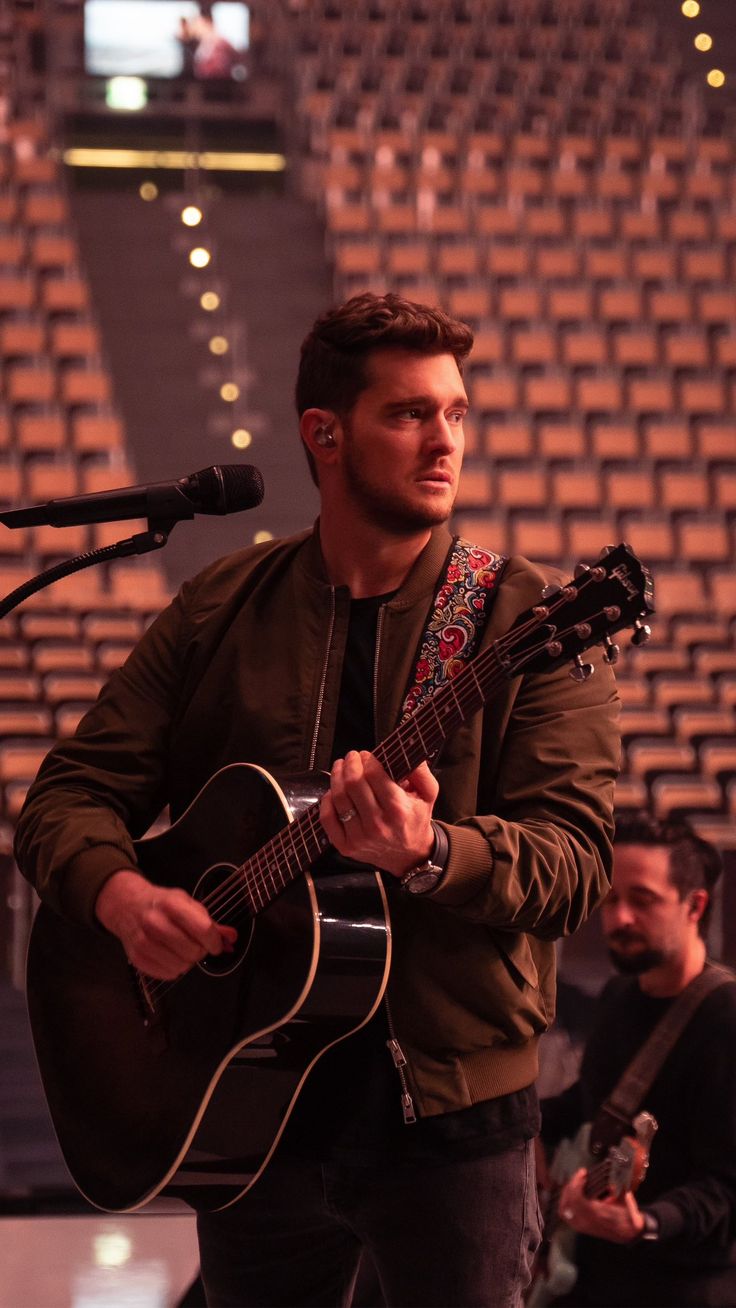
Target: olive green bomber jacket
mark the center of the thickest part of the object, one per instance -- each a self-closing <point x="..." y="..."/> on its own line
<point x="244" y="666"/>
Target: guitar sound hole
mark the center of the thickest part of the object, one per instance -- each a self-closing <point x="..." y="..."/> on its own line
<point x="218" y="891"/>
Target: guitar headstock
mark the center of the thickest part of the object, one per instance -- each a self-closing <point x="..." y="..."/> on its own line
<point x="616" y="591"/>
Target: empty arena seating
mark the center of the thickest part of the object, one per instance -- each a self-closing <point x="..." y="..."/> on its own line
<point x="59" y="435"/>
<point x="543" y="171"/>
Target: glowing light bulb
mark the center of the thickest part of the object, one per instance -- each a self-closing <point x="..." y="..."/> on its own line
<point x="703" y="41"/>
<point x="241" y="439"/>
<point x="209" y="300"/>
<point x="129" y="93"/>
<point x="229" y="392"/>
<point x="191" y="216"/>
<point x="690" y="8"/>
<point x="148" y="191"/>
<point x="219" y="345"/>
<point x="199" y="257"/>
<point x="716" y="77"/>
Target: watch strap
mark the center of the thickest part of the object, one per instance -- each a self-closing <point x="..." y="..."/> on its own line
<point x="440" y="851"/>
<point x="431" y="869"/>
<point x="650" y="1229"/>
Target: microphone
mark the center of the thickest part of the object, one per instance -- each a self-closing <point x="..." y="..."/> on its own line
<point x="223" y="488"/>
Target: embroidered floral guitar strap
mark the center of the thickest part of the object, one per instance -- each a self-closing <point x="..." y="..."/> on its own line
<point x="461" y="609"/>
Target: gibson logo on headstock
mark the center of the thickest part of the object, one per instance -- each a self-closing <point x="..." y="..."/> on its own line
<point x="622" y="574"/>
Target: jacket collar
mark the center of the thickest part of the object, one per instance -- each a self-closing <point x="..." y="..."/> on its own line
<point x="420" y="582"/>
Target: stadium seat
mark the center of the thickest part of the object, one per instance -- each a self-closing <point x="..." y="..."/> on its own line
<point x="674" y="794"/>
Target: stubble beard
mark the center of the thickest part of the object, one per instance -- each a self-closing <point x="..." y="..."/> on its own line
<point x="635" y="964"/>
<point x="379" y="505"/>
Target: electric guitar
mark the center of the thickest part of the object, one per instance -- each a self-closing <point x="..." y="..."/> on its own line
<point x="184" y="1088"/>
<point x="620" y="1167"/>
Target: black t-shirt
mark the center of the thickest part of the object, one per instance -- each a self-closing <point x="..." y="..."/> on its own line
<point x="350" y="1106"/>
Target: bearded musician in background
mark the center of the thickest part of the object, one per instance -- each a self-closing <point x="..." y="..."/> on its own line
<point x="674" y="1241"/>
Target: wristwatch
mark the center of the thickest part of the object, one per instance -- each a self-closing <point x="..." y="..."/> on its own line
<point x="650" y="1229"/>
<point x="427" y="875"/>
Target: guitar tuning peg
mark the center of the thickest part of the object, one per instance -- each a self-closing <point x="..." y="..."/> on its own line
<point x="581" y="569"/>
<point x="642" y="632"/>
<point x="607" y="549"/>
<point x="581" y="671"/>
<point x="550" y="590"/>
<point x="611" y="650"/>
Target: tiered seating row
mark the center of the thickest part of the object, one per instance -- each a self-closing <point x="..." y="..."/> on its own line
<point x="59" y="435"/>
<point x="479" y="63"/>
<point x="52" y="664"/>
<point x="537" y="169"/>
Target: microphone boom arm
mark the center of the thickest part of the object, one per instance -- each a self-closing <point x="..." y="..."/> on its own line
<point x="144" y="542"/>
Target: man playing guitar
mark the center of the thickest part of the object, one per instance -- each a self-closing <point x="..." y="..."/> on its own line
<point x="414" y="1136"/>
<point x="674" y="1240"/>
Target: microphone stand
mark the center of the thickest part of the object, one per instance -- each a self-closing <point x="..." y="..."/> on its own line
<point x="153" y="539"/>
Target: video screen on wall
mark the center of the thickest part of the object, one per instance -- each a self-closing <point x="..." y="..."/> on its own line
<point x="165" y="38"/>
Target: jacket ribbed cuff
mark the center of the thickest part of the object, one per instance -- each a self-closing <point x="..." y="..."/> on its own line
<point x="468" y="868"/>
<point x="85" y="877"/>
<point x="669" y="1217"/>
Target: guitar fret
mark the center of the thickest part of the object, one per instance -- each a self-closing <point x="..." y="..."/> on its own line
<point x="407" y="760"/>
<point x="457" y="701"/>
<point x="252" y="885"/>
<point x="299" y="828"/>
<point x="431" y="705"/>
<point x="425" y="750"/>
<point x="318" y="833"/>
<point x="283" y="835"/>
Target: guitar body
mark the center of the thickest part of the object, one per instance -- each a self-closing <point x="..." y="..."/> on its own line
<point x="611" y="1172"/>
<point x="183" y="1089"/>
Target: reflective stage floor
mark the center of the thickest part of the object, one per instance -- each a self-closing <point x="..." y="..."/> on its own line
<point x="84" y="1261"/>
<point x="55" y="1250"/>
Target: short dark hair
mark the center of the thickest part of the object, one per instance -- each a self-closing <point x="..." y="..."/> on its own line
<point x="694" y="863"/>
<point x="332" y="370"/>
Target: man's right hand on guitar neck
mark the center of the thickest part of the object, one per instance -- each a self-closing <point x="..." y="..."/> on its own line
<point x="164" y="932"/>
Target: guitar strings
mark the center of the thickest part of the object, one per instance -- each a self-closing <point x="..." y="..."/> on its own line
<point x="266" y="869"/>
<point x="597" y="1182"/>
<point x="244" y="884"/>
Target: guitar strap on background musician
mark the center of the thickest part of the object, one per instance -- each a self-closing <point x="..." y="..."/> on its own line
<point x="616" y="1114"/>
<point x="462" y="605"/>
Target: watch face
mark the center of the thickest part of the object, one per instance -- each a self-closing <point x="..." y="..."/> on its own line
<point x="422" y="882"/>
<point x="651" y="1227"/>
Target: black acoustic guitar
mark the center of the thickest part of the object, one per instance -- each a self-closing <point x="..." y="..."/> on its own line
<point x="184" y="1088"/>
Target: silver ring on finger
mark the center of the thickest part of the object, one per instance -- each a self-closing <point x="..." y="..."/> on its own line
<point x="348" y="815"/>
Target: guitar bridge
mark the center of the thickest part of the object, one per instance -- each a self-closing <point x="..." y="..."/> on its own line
<point x="157" y="1038"/>
<point x="145" y="998"/>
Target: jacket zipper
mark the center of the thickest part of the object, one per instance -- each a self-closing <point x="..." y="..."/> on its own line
<point x="399" y="1060"/>
<point x="323" y="682"/>
<point x="397" y="1054"/>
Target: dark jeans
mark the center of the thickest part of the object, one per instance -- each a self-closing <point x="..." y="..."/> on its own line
<point x="452" y="1235"/>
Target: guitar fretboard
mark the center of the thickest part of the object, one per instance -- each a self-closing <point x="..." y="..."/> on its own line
<point x="419" y="737"/>
<point x="599" y="601"/>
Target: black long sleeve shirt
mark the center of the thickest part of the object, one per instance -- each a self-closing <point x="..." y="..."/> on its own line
<point x="691" y="1182"/>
